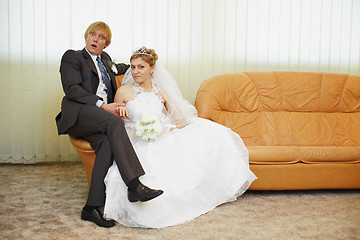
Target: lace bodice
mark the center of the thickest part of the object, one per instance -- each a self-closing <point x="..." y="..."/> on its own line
<point x="145" y="103"/>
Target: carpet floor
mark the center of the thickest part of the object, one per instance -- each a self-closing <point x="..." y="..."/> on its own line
<point x="44" y="202"/>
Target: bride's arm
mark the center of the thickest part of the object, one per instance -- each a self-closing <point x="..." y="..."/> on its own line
<point x="180" y="124"/>
<point x="122" y="96"/>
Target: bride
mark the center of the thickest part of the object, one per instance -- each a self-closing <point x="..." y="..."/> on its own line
<point x="198" y="163"/>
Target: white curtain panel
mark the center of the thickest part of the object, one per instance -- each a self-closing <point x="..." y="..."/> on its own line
<point x="195" y="39"/>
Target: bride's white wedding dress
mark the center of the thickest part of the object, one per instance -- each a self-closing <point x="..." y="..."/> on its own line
<point x="198" y="167"/>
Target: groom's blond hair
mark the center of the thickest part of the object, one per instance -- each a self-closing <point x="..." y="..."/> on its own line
<point x="100" y="26"/>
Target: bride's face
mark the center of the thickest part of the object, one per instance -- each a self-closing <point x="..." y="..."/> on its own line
<point x="141" y="70"/>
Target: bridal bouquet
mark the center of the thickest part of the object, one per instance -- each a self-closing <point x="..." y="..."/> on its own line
<point x="148" y="127"/>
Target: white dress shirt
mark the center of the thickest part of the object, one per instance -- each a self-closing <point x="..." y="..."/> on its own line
<point x="101" y="90"/>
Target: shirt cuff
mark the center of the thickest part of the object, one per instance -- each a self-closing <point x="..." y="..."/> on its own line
<point x="99" y="103"/>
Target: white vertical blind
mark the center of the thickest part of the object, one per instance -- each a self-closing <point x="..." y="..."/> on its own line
<point x="195" y="39"/>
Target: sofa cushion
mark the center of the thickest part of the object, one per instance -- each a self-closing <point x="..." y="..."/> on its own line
<point x="269" y="155"/>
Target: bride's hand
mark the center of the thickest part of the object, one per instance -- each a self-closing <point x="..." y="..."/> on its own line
<point x="123" y="112"/>
<point x="177" y="127"/>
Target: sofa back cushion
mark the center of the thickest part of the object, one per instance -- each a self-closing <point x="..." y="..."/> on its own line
<point x="285" y="108"/>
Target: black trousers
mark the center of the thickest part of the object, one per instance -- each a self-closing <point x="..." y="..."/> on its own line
<point x="107" y="136"/>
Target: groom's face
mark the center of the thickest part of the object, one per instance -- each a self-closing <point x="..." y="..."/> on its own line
<point x="95" y="42"/>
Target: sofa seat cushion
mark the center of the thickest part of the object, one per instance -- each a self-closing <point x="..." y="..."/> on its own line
<point x="270" y="155"/>
<point x="81" y="145"/>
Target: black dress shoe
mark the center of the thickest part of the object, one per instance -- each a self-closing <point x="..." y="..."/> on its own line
<point x="96" y="217"/>
<point x="142" y="193"/>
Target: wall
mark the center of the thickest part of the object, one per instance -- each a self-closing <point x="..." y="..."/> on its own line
<point x="195" y="39"/>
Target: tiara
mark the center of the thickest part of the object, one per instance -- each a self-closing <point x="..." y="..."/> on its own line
<point x="142" y="51"/>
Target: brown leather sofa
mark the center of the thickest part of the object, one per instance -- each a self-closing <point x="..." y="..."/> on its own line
<point x="302" y="129"/>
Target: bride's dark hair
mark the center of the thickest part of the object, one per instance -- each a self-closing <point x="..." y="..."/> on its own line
<point x="148" y="55"/>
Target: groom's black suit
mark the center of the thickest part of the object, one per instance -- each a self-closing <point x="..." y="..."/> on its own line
<point x="81" y="118"/>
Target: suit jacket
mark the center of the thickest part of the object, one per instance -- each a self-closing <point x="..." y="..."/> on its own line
<point x="80" y="81"/>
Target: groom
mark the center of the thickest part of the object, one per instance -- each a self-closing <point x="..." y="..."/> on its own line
<point x="88" y="112"/>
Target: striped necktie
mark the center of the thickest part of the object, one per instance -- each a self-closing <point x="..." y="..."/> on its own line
<point x="106" y="79"/>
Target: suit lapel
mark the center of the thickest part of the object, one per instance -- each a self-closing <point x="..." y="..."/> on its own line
<point x="105" y="59"/>
<point x="89" y="61"/>
<point x="91" y="65"/>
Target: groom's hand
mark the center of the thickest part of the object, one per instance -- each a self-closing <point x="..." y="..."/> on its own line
<point x="112" y="107"/>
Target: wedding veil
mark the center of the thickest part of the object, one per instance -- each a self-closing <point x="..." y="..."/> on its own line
<point x="179" y="108"/>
